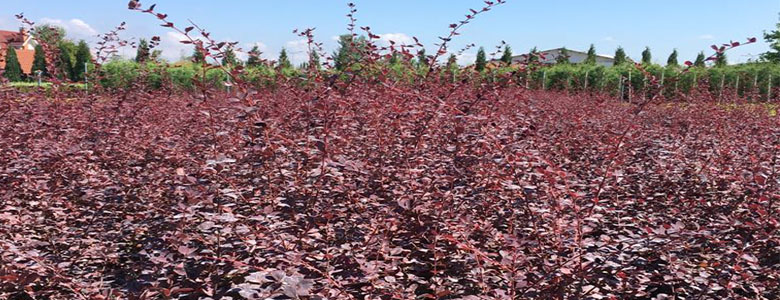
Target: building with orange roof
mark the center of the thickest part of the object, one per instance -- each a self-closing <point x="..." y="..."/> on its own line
<point x="23" y="43"/>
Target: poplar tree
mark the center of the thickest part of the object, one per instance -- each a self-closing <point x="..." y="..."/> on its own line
<point x="646" y="56"/>
<point x="254" y="57"/>
<point x="620" y="56"/>
<point x="422" y="59"/>
<point x="229" y="58"/>
<point x="198" y="57"/>
<point x="481" y="61"/>
<point x="563" y="57"/>
<point x="83" y="56"/>
<point x="284" y="61"/>
<point x="672" y="60"/>
<point x="65" y="61"/>
<point x="142" y="54"/>
<point x="39" y="61"/>
<point x="12" y="70"/>
<point x="506" y="57"/>
<point x="720" y="59"/>
<point x="591" y="57"/>
<point x="699" y="62"/>
<point x="533" y="55"/>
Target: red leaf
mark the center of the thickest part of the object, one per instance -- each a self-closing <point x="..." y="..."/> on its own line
<point x="688" y="63"/>
<point x="621" y="275"/>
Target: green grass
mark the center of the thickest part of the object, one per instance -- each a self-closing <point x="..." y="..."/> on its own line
<point x="45" y="85"/>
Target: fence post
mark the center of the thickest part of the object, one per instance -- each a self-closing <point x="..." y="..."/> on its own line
<point x="769" y="88"/>
<point x="722" y="82"/>
<point x="755" y="81"/>
<point x="736" y="88"/>
<point x="630" y="87"/>
<point x="586" y="80"/>
<point x="695" y="81"/>
<point x="527" y="74"/>
<point x="544" y="80"/>
<point x="86" y="79"/>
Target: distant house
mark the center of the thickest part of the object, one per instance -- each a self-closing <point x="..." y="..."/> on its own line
<point x="549" y="57"/>
<point x="23" y="43"/>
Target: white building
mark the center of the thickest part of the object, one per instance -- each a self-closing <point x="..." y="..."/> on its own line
<point x="549" y="57"/>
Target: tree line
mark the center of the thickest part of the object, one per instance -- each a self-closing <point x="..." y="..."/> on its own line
<point x="73" y="59"/>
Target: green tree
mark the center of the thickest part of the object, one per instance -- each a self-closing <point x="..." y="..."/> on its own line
<point x="349" y="51"/>
<point x="143" y="52"/>
<point x="198" y="57"/>
<point x="229" y="58"/>
<point x="422" y="59"/>
<point x="314" y="60"/>
<point x="720" y="59"/>
<point x="65" y="60"/>
<point x="481" y="61"/>
<point x="672" y="60"/>
<point x="699" y="62"/>
<point x="591" y="57"/>
<point x="647" y="58"/>
<point x="773" y="39"/>
<point x="452" y="62"/>
<point x="394" y="59"/>
<point x="49" y="34"/>
<point x="506" y="57"/>
<point x="284" y="61"/>
<point x="533" y="55"/>
<point x="12" y="70"/>
<point x="620" y="56"/>
<point x="39" y="61"/>
<point x="156" y="55"/>
<point x="254" y="57"/>
<point x="563" y="57"/>
<point x="83" y="56"/>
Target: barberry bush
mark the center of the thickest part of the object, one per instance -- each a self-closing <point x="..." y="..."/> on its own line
<point x="358" y="185"/>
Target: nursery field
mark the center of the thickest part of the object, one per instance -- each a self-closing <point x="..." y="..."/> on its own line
<point x="387" y="192"/>
<point x="382" y="172"/>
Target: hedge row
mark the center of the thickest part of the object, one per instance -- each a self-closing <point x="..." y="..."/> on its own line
<point x="747" y="80"/>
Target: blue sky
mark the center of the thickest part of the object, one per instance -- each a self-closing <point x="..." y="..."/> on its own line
<point x="689" y="26"/>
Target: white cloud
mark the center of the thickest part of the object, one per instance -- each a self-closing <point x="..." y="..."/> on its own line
<point x="297" y="51"/>
<point x="385" y="38"/>
<point x="608" y="39"/>
<point x="244" y="54"/>
<point x="172" y="48"/>
<point x="74" y="27"/>
<point x="398" y="38"/>
<point x="706" y="37"/>
<point x="465" y="59"/>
